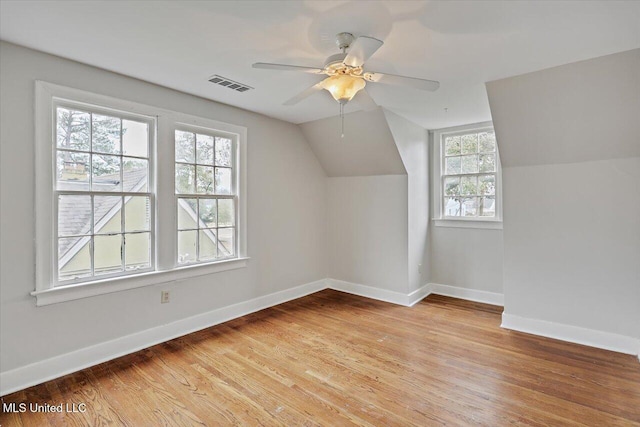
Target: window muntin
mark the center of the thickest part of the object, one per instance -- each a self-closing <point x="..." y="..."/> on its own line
<point x="469" y="174"/>
<point x="102" y="193"/>
<point x="206" y="195"/>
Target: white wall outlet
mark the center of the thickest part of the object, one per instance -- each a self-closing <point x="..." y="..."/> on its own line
<point x="419" y="268"/>
<point x="164" y="297"/>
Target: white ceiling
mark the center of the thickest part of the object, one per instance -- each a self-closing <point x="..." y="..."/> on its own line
<point x="179" y="44"/>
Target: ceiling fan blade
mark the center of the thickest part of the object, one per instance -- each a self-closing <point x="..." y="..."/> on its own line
<point x="361" y="50"/>
<point x="412" y="82"/>
<point x="285" y="67"/>
<point x="304" y="94"/>
<point x="365" y="101"/>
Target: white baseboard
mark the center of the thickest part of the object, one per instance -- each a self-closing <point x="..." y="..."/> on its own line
<point x="574" y="334"/>
<point x="45" y="370"/>
<point x="393" y="297"/>
<point x="467" y="294"/>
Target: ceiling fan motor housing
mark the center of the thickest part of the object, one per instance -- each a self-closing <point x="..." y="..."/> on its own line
<point x="344" y="40"/>
<point x="335" y="62"/>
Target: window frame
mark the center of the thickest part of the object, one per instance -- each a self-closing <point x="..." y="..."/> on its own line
<point x="199" y="130"/>
<point x="151" y="189"/>
<point x="164" y="226"/>
<point x="438" y="176"/>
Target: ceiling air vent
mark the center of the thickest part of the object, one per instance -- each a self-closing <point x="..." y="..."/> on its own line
<point x="228" y="83"/>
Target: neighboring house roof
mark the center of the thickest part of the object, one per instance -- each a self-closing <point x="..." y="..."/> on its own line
<point x="76" y="219"/>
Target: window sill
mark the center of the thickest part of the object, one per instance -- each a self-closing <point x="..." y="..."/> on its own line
<point x="488" y="224"/>
<point x="85" y="290"/>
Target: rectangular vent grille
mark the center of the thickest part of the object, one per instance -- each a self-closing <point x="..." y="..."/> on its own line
<point x="228" y="83"/>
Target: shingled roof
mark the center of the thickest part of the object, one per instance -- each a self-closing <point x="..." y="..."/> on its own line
<point x="75" y="218"/>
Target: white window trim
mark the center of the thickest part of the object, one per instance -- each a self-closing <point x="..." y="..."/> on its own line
<point x="437" y="166"/>
<point x="165" y="219"/>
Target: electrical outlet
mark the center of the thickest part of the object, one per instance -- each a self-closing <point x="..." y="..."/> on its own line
<point x="419" y="268"/>
<point x="164" y="297"/>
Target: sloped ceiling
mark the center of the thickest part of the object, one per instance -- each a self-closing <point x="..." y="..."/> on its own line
<point x="463" y="44"/>
<point x="368" y="148"/>
<point x="588" y="110"/>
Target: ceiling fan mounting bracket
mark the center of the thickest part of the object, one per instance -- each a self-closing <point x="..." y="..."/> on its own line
<point x="344" y="40"/>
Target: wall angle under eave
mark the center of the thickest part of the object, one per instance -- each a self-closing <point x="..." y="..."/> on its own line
<point x="368" y="147"/>
<point x="578" y="112"/>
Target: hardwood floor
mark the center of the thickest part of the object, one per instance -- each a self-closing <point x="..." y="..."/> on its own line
<point x="335" y="359"/>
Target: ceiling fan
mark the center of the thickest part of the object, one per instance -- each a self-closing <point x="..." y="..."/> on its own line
<point x="346" y="76"/>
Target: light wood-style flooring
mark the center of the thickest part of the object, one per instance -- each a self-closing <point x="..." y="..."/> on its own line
<point x="335" y="359"/>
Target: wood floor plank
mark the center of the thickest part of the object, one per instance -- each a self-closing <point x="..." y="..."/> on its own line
<point x="333" y="359"/>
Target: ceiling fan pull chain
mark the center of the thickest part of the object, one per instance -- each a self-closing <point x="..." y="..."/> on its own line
<point x="342" y="119"/>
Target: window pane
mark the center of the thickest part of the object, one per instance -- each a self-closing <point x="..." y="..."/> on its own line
<point x="135" y="174"/>
<point x="226" y="243"/>
<point x="470" y="206"/>
<point x="73" y="129"/>
<point x="470" y="143"/>
<point x="469" y="186"/>
<point x="185" y="147"/>
<point x="223" y="151"/>
<point x="187" y="214"/>
<point x="208" y="244"/>
<point x="74" y="258"/>
<point x="469" y="164"/>
<point x="488" y="206"/>
<point x="137" y="251"/>
<point x="107" y="214"/>
<point x="185" y="179"/>
<point x="487" y="163"/>
<point x="226" y="213"/>
<point x="72" y="171"/>
<point x="451" y="186"/>
<point x="107" y="252"/>
<point x="451" y="206"/>
<point x="204" y="180"/>
<point x="135" y="138"/>
<point x="452" y="145"/>
<point x="106" y="134"/>
<point x="187" y="246"/>
<point x="452" y="165"/>
<point x="487" y="142"/>
<point x="74" y="215"/>
<point x="208" y="212"/>
<point x="487" y="184"/>
<point x="106" y="173"/>
<point x="204" y="149"/>
<point x="136" y="213"/>
<point x="223" y="181"/>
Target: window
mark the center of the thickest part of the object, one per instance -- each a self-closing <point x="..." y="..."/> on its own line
<point x="206" y="199"/>
<point x="468" y="175"/>
<point x="107" y="220"/>
<point x="103" y="214"/>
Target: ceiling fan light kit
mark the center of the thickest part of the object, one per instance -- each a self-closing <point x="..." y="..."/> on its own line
<point x="346" y="76"/>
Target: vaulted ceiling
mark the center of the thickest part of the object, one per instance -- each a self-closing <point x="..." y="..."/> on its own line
<point x="462" y="44"/>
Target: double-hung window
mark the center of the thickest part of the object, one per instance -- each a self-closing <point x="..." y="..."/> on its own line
<point x="103" y="193"/>
<point x="468" y="181"/>
<point x="206" y="195"/>
<point x="130" y="195"/>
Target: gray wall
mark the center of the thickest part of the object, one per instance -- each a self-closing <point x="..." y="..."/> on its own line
<point x="469" y="258"/>
<point x="569" y="140"/>
<point x="286" y="222"/>
<point x="367" y="231"/>
<point x="413" y="146"/>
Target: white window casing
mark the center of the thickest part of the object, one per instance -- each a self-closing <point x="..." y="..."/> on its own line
<point x="162" y="125"/>
<point x="438" y="176"/>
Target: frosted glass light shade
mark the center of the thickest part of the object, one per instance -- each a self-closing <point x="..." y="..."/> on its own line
<point x="343" y="87"/>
